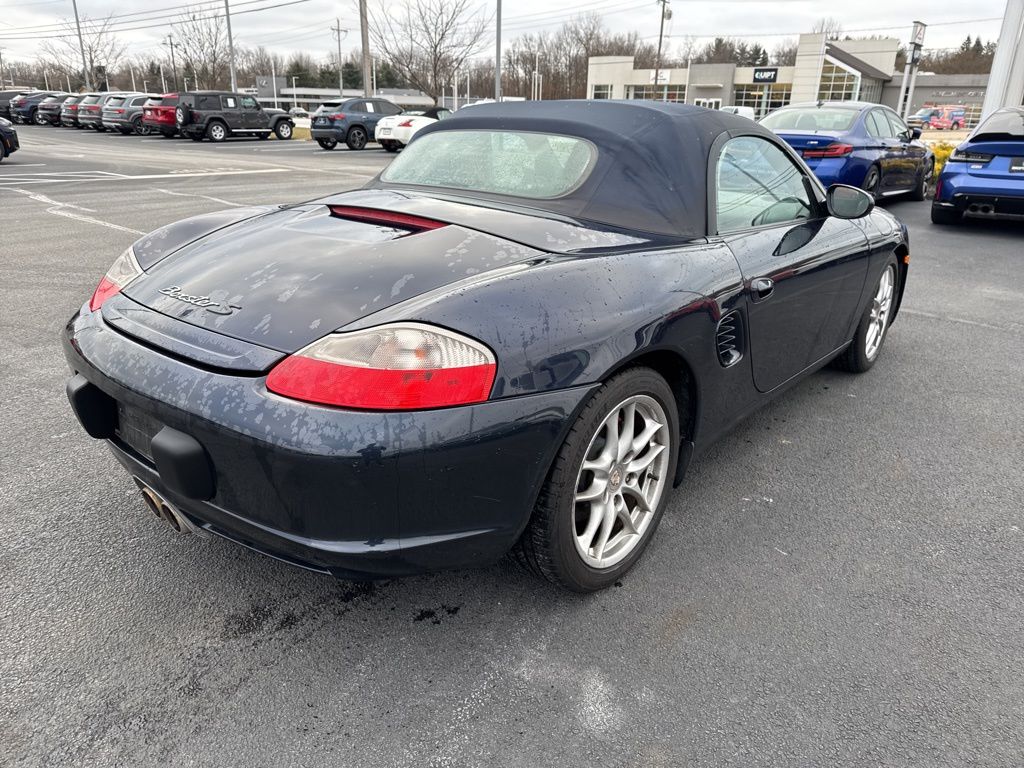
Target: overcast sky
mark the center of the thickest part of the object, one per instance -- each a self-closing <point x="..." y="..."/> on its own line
<point x="305" y="25"/>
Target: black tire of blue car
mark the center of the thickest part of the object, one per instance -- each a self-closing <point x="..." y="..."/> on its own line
<point x="327" y="144"/>
<point x="855" y="359"/>
<point x="547" y="546"/>
<point x="871" y="181"/>
<point x="945" y="215"/>
<point x="216" y="131"/>
<point x="920" y="191"/>
<point x="283" y="130"/>
<point x="38" y="118"/>
<point x="356" y="138"/>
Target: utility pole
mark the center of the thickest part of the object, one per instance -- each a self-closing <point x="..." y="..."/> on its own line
<point x="913" y="58"/>
<point x="174" y="66"/>
<point x="81" y="47"/>
<point x="295" y="98"/>
<point x="2" y="70"/>
<point x="665" y="14"/>
<point x="497" y="55"/>
<point x="341" y="83"/>
<point x="273" y="78"/>
<point x="163" y="80"/>
<point x="132" y="70"/>
<point x="231" y="48"/>
<point x="364" y="31"/>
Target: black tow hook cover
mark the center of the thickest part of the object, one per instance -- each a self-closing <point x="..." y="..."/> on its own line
<point x="95" y="409"/>
<point x="182" y="463"/>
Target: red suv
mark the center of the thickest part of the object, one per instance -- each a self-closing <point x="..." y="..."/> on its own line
<point x="158" y="114"/>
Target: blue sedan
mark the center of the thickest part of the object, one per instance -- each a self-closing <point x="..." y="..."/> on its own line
<point x="984" y="177"/>
<point x="856" y="143"/>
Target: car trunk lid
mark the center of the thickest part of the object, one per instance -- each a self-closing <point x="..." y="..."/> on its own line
<point x="284" y="279"/>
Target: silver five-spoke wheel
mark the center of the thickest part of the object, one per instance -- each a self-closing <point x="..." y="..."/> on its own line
<point x="621" y="481"/>
<point x="881" y="307"/>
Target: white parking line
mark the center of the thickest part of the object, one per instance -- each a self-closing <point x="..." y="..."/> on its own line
<point x="76" y="176"/>
<point x="205" y="197"/>
<point x="58" y="208"/>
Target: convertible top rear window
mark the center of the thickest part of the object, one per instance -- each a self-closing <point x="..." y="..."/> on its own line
<point x="515" y="163"/>
<point x="811" y="119"/>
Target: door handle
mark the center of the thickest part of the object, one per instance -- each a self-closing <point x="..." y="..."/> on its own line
<point x="762" y="288"/>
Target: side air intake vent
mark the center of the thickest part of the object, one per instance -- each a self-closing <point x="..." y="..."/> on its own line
<point x="729" y="339"/>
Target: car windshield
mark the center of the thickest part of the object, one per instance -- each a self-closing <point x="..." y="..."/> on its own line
<point x="90" y="99"/>
<point x="1002" y="123"/>
<point x="515" y="163"/>
<point x="328" y="106"/>
<point x="72" y="100"/>
<point x="116" y="101"/>
<point x="162" y="101"/>
<point x="924" y="113"/>
<point x="811" y="119"/>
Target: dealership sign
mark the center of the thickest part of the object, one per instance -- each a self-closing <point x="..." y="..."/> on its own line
<point x="766" y="75"/>
<point x="664" y="75"/>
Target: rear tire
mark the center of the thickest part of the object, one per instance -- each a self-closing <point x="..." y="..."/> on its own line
<point x="553" y="545"/>
<point x="283" y="130"/>
<point x="873" y="327"/>
<point x="38" y="118"/>
<point x="390" y="146"/>
<point x="216" y="131"/>
<point x="945" y="216"/>
<point x="327" y="144"/>
<point x="872" y="180"/>
<point x="920" y="192"/>
<point x="140" y="128"/>
<point x="356" y="138"/>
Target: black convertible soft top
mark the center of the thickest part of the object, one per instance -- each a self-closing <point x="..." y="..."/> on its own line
<point x="651" y="170"/>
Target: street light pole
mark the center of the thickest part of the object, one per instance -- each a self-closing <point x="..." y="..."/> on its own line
<point x="661" y="36"/>
<point x="364" y="31"/>
<point x="231" y="48"/>
<point x="497" y="55"/>
<point x="341" y="82"/>
<point x="174" y="65"/>
<point x="81" y="47"/>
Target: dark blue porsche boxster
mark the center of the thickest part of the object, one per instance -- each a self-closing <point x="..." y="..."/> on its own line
<point x="522" y="352"/>
<point x="984" y="177"/>
<point x="858" y="143"/>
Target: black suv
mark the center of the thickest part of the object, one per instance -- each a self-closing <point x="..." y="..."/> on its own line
<point x="216" y="115"/>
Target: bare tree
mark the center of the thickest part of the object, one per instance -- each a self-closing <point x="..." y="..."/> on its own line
<point x="203" y="43"/>
<point x="831" y="28"/>
<point x="103" y="50"/>
<point x="784" y="54"/>
<point x="428" y="41"/>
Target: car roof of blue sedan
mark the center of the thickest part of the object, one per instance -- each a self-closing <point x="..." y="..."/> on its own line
<point x="650" y="174"/>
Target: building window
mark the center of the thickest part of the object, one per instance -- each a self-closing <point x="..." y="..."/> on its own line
<point x="602" y="92"/>
<point x="779" y="95"/>
<point x="838" y="83"/>
<point x="871" y="90"/>
<point x="676" y="93"/>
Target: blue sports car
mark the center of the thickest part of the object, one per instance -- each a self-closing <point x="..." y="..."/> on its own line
<point x="856" y="143"/>
<point x="984" y="177"/>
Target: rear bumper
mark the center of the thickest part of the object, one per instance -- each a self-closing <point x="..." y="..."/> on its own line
<point x="978" y="197"/>
<point x="337" y="133"/>
<point x="356" y="494"/>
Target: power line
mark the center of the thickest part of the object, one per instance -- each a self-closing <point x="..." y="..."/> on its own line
<point x="165" y="24"/>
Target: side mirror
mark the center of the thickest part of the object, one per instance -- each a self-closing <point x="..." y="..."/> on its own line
<point x="915" y="133"/>
<point x="846" y="202"/>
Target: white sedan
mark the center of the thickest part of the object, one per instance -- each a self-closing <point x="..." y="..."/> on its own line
<point x="395" y="131"/>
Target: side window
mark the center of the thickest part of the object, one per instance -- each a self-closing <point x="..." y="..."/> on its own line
<point x="229" y="102"/>
<point x="355" y="106"/>
<point x="899" y="128"/>
<point x="139" y="101"/>
<point x="757" y="184"/>
<point x="387" y="108"/>
<point x="248" y="102"/>
<point x="878" y="126"/>
<point x="443" y="113"/>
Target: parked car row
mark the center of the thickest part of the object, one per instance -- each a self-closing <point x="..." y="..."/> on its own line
<point x="871" y="147"/>
<point x="213" y="115"/>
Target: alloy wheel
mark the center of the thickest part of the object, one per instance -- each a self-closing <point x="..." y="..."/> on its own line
<point x="217" y="132"/>
<point x="621" y="481"/>
<point x="881" y="306"/>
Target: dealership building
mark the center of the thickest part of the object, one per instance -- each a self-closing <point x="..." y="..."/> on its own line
<point x="831" y="70"/>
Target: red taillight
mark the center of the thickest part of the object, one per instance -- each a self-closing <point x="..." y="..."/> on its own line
<point x="124" y="269"/>
<point x="938" y="189"/>
<point x="400" y="367"/>
<point x="119" y="111"/>
<point x="337" y="116"/>
<point x="832" y="150"/>
<point x="104" y="291"/>
<point x="386" y="218"/>
<point x="406" y="124"/>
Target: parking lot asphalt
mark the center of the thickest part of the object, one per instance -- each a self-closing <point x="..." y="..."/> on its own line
<point x="838" y="582"/>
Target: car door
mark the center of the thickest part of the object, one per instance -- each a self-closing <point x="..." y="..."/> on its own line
<point x="888" y="148"/>
<point x="912" y="152"/>
<point x="231" y="113"/>
<point x="253" y="118"/>
<point x="803" y="270"/>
